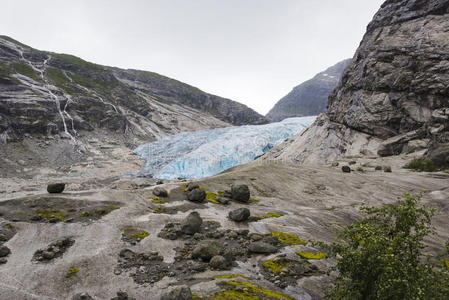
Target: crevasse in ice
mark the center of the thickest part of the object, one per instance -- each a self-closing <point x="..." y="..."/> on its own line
<point x="208" y="152"/>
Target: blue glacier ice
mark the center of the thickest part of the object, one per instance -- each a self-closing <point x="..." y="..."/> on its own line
<point x="205" y="153"/>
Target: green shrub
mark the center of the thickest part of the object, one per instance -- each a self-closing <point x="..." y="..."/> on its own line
<point x="381" y="256"/>
<point x="421" y="165"/>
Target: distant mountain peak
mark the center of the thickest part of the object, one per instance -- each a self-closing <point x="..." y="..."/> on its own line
<point x="310" y="97"/>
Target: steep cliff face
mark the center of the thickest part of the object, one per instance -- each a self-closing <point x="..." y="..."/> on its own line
<point x="394" y="96"/>
<point x="310" y="97"/>
<point x="47" y="93"/>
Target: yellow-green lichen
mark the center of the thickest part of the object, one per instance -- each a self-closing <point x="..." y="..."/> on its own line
<point x="195" y="296"/>
<point x="445" y="262"/>
<point x="253" y="200"/>
<point x="211" y="197"/>
<point x="267" y="216"/>
<point x="202" y="188"/>
<point x="231" y="276"/>
<point x="134" y="233"/>
<point x="242" y="290"/>
<point x="157" y="200"/>
<point x="159" y="209"/>
<point x="183" y="187"/>
<point x="310" y="255"/>
<point x="275" y="267"/>
<point x="71" y="272"/>
<point x="221" y="193"/>
<point x="288" y="238"/>
<point x="86" y="214"/>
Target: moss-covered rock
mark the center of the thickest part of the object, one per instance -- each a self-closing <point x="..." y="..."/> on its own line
<point x="288" y="238"/>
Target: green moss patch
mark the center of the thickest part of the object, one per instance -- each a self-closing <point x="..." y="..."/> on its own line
<point x="445" y="262"/>
<point x="421" y="165"/>
<point x="288" y="238"/>
<point x="310" y="255"/>
<point x="59" y="79"/>
<point x="71" y="272"/>
<point x="26" y="70"/>
<point x="51" y="213"/>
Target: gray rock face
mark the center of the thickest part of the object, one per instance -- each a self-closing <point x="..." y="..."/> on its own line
<point x="398" y="79"/>
<point x="179" y="293"/>
<point x="192" y="224"/>
<point x="393" y="95"/>
<point x="55" y="188"/>
<point x="310" y="97"/>
<point x="240" y="214"/>
<point x="240" y="192"/>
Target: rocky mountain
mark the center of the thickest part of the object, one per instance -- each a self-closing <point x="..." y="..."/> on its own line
<point x="394" y="96"/>
<point x="60" y="108"/>
<point x="47" y="93"/>
<point x="310" y="97"/>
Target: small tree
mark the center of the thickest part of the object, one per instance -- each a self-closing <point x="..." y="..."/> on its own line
<point x="381" y="255"/>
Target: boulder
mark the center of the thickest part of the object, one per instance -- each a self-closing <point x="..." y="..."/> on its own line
<point x="218" y="262"/>
<point x="4" y="251"/>
<point x="239" y="215"/>
<point x="82" y="296"/>
<point x="240" y="192"/>
<point x="346" y="169"/>
<point x="179" y="293"/>
<point x="196" y="195"/>
<point x="222" y="200"/>
<point x="191" y="224"/>
<point x="262" y="248"/>
<point x="56" y="188"/>
<point x="439" y="156"/>
<point x="160" y="192"/>
<point x="387" y="169"/>
<point x="191" y="186"/>
<point x="122" y="296"/>
<point x="207" y="249"/>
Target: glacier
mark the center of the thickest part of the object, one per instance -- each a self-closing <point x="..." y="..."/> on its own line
<point x="205" y="153"/>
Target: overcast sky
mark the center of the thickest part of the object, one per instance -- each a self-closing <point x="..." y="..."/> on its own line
<point x="251" y="51"/>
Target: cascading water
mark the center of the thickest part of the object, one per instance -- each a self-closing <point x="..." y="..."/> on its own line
<point x="205" y="153"/>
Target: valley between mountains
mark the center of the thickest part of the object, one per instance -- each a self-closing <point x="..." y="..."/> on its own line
<point x="238" y="213"/>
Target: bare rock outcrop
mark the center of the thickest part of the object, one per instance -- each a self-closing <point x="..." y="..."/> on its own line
<point x="394" y="95"/>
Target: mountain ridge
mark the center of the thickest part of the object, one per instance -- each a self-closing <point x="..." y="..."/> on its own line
<point x="78" y="78"/>
<point x="310" y="97"/>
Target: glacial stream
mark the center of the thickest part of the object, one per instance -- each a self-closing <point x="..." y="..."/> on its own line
<point x="208" y="152"/>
